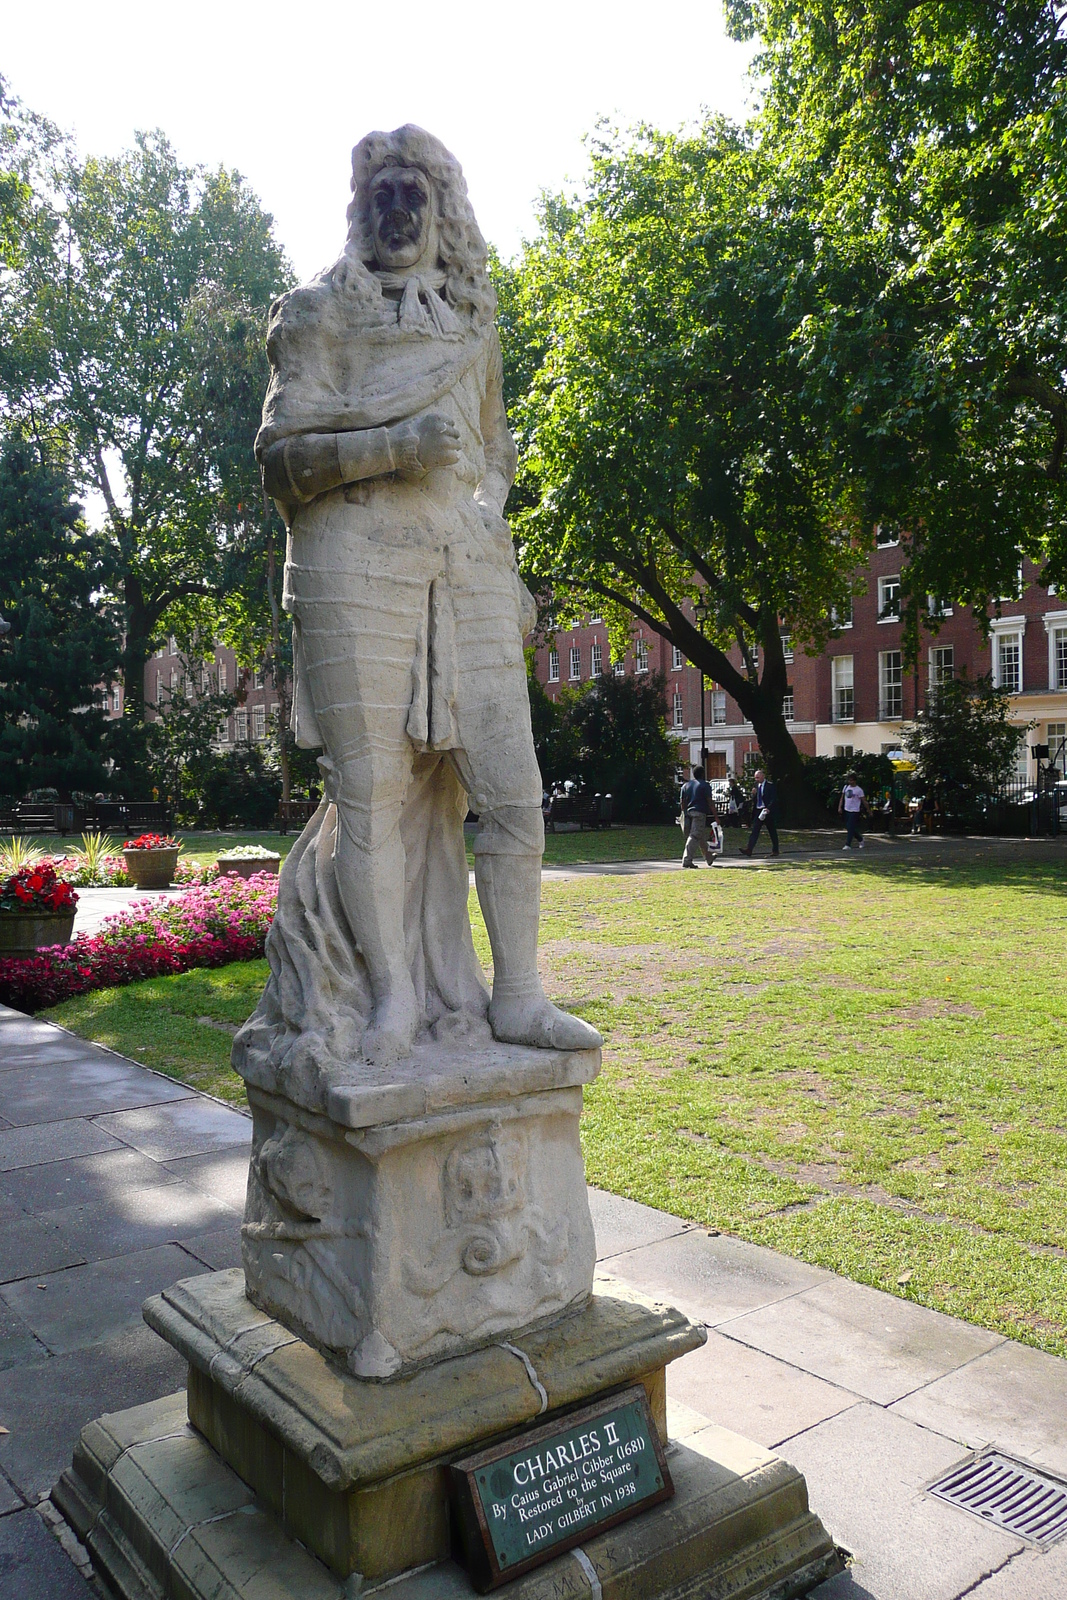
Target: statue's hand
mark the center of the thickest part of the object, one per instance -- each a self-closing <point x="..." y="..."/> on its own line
<point x="420" y="446"/>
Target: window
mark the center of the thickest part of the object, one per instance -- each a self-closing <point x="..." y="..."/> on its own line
<point x="596" y="660"/>
<point x="222" y="677"/>
<point x="841" y="616"/>
<point x="1056" y="626"/>
<point x="116" y="698"/>
<point x="677" y="659"/>
<point x="787" y="647"/>
<point x="240" y="723"/>
<point x="942" y="665"/>
<point x="1008" y="661"/>
<point x="259" y="722"/>
<point x="889" y="599"/>
<point x="718" y="707"/>
<point x="172" y="645"/>
<point x="884" y="537"/>
<point x="1056" y="739"/>
<point x="275" y="711"/>
<point x="641" y="656"/>
<point x="787" y="705"/>
<point x="257" y="678"/>
<point x="843" y="750"/>
<point x="576" y="661"/>
<point x="890" y="686"/>
<point x="594" y="620"/>
<point x="619" y="668"/>
<point x="553" y="666"/>
<point x="678" y="710"/>
<point x="938" y="606"/>
<point x="844" y="703"/>
<point x="224" y="731"/>
<point x="1018" y="590"/>
<point x="159" y="687"/>
<point x="173" y="679"/>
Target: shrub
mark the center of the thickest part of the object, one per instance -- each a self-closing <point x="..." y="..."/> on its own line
<point x="226" y="920"/>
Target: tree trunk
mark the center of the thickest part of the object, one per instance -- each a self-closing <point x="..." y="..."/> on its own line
<point x="135" y="651"/>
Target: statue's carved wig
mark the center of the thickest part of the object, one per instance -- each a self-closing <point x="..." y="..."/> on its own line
<point x="461" y="247"/>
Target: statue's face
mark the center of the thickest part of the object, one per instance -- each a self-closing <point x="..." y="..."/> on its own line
<point x="401" y="216"/>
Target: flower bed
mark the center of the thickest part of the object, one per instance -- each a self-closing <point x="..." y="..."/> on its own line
<point x="212" y="924"/>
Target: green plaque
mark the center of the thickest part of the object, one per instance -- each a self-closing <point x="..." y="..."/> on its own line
<point x="523" y="1502"/>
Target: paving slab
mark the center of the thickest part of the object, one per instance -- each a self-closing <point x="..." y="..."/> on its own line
<point x="52" y="1141"/>
<point x="189" y="1127"/>
<point x="861" y="1339"/>
<point x="751" y="1393"/>
<point x="866" y="1471"/>
<point x="82" y="1180"/>
<point x="1013" y="1397"/>
<point x="32" y="1564"/>
<point x="223" y="1174"/>
<point x="31" y="1246"/>
<point x="18" y="1343"/>
<point x="136" y="1219"/>
<point x="51" y="1052"/>
<point x="714" y="1279"/>
<point x="46" y="1403"/>
<point x="105" y="1083"/>
<point x="626" y="1224"/>
<point x="85" y="1305"/>
<point x="219" y="1251"/>
<point x="1031" y="1575"/>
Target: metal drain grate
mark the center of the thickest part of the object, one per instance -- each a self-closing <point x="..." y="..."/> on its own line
<point x="1013" y="1497"/>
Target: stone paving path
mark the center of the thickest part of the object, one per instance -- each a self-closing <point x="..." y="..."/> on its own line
<point x="115" y="1182"/>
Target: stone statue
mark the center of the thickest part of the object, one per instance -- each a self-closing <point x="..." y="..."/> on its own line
<point x="386" y="446"/>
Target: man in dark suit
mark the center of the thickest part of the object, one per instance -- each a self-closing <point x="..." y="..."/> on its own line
<point x="765" y="811"/>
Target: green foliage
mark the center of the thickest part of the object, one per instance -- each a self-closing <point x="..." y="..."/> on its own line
<point x="962" y="739"/>
<point x="181" y="740"/>
<point x="610" y="736"/>
<point x="63" y="645"/>
<point x="929" y="144"/>
<point x="133" y="326"/>
<point x="669" y="451"/>
<point x="240" y="788"/>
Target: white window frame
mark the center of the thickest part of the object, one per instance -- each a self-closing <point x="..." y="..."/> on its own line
<point x="553" y="666"/>
<point x="935" y="670"/>
<point x="594" y="620"/>
<point x="883" y="585"/>
<point x="116" y="698"/>
<point x="240" y="725"/>
<point x="641" y="656"/>
<point x="884" y="544"/>
<point x="887" y="684"/>
<point x="576" y="662"/>
<point x="789" y="705"/>
<point x="1053" y="738"/>
<point x="937" y="607"/>
<point x="1003" y="628"/>
<point x="1056" y="628"/>
<point x="259" y="723"/>
<point x="843" y="709"/>
<point x="618" y="668"/>
<point x="257" y="678"/>
<point x="718" y="708"/>
<point x="835" y="624"/>
<point x="223" y="677"/>
<point x="677" y="659"/>
<point x="679" y="710"/>
<point x="224" y="730"/>
<point x="596" y="659"/>
<point x="787" y="646"/>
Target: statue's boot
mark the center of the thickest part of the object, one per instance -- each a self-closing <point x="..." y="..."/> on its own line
<point x="509" y="890"/>
<point x="374" y="905"/>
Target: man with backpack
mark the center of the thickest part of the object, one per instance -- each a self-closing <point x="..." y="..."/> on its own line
<point x="697" y="816"/>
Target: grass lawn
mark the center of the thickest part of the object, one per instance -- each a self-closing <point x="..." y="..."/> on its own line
<point x="621" y="843"/>
<point x="860" y="1063"/>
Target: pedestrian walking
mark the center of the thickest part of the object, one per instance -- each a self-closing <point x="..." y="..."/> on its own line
<point x="853" y="803"/>
<point x="764" y="813"/>
<point x="697" y="817"/>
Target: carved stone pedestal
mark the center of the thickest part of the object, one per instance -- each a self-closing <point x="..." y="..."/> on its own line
<point x="282" y="1477"/>
<point x="423" y="1209"/>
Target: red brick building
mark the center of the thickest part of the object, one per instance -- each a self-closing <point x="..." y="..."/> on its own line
<point x="250" y="723"/>
<point x="857" y="693"/>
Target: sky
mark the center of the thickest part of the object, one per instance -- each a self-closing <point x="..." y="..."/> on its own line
<point x="283" y="92"/>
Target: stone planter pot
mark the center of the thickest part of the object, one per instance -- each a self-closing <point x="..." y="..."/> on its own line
<point x="248" y="866"/>
<point x="23" y="932"/>
<point x="151" y="869"/>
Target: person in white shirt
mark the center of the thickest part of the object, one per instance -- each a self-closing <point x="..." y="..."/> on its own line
<point x="853" y="803"/>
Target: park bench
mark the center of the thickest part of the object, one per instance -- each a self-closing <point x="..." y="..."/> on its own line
<point x="587" y="810"/>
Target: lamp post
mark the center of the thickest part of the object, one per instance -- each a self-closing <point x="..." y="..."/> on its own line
<point x="700" y="610"/>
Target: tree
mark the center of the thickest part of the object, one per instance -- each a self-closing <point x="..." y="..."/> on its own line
<point x="611" y="737"/>
<point x="962" y="739"/>
<point x="182" y="738"/>
<point x="63" y="648"/>
<point x="128" y="314"/>
<point x="669" y="452"/>
<point x="930" y="143"/>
